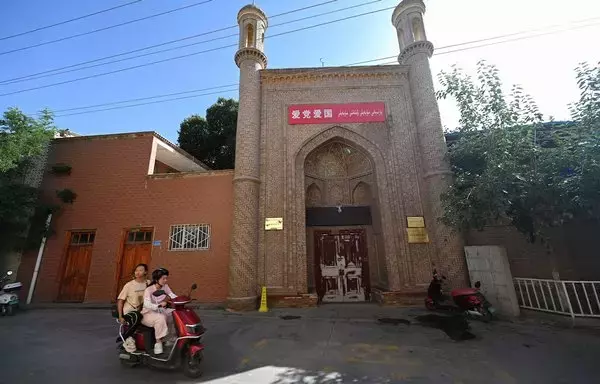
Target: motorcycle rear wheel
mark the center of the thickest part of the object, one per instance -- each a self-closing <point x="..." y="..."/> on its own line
<point x="192" y="365"/>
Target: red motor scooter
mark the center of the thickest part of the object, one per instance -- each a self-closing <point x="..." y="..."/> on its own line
<point x="469" y="301"/>
<point x="187" y="349"/>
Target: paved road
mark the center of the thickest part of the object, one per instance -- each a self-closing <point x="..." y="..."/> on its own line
<point x="77" y="346"/>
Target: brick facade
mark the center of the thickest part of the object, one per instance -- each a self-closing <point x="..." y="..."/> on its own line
<point x="115" y="193"/>
<point x="407" y="153"/>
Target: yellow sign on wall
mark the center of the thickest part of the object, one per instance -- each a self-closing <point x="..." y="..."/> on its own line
<point x="417" y="235"/>
<point x="415" y="222"/>
<point x="273" y="223"/>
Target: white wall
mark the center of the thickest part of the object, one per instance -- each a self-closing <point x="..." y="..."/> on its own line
<point x="489" y="265"/>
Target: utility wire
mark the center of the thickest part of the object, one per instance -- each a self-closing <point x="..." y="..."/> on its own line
<point x="307" y="71"/>
<point x="183" y="92"/>
<point x="62" y="70"/>
<point x="151" y="102"/>
<point x="105" y="28"/>
<point x="285" y="33"/>
<point x="146" y="98"/>
<point x="69" y="20"/>
<point x="191" y="54"/>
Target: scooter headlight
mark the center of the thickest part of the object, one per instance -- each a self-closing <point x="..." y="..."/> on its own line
<point x="196" y="329"/>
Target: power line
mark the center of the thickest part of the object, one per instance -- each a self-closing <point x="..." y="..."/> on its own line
<point x="190" y="91"/>
<point x="62" y="70"/>
<point x="146" y="98"/>
<point x="190" y="54"/>
<point x="151" y="102"/>
<point x="510" y="40"/>
<point x="285" y="33"/>
<point x="105" y="28"/>
<point x="69" y="20"/>
<point x="48" y="74"/>
<point x="118" y="70"/>
<point x="307" y="71"/>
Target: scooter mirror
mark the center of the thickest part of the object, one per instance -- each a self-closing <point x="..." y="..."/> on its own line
<point x="160" y="292"/>
<point x="194" y="286"/>
<point x="9" y="273"/>
<point x="443" y="277"/>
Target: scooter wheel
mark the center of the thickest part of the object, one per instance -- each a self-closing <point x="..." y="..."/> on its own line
<point x="486" y="316"/>
<point x="10" y="310"/>
<point x="192" y="365"/>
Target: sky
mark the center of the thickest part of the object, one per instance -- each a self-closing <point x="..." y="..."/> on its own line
<point x="543" y="65"/>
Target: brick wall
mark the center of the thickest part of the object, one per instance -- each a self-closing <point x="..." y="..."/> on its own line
<point x="575" y="249"/>
<point x="114" y="192"/>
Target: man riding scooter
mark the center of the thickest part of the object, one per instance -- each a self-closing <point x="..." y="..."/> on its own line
<point x="162" y="307"/>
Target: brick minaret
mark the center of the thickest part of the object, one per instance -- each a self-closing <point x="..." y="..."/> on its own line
<point x="415" y="52"/>
<point x="244" y="237"/>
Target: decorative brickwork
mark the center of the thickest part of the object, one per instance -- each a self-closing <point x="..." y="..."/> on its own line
<point x="243" y="288"/>
<point x="407" y="172"/>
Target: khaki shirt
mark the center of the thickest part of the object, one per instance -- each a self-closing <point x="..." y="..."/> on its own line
<point x="133" y="295"/>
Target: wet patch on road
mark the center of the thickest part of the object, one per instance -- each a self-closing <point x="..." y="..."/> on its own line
<point x="393" y="321"/>
<point x="456" y="327"/>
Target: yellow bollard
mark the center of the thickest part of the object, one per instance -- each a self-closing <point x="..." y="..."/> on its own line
<point x="263" y="301"/>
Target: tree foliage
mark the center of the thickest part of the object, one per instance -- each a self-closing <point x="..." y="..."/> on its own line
<point x="510" y="166"/>
<point x="22" y="136"/>
<point x="212" y="139"/>
<point x="21" y="139"/>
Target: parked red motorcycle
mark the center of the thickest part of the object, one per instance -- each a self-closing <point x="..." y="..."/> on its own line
<point x="469" y="301"/>
<point x="187" y="349"/>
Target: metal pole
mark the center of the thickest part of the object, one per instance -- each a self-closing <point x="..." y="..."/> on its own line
<point x="564" y="287"/>
<point x="38" y="262"/>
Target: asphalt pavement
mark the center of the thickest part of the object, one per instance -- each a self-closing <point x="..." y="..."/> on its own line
<point x="332" y="344"/>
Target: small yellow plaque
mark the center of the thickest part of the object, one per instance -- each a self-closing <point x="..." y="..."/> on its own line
<point x="273" y="223"/>
<point x="417" y="235"/>
<point x="415" y="222"/>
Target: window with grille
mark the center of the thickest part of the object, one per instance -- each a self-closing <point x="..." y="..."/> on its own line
<point x="189" y="237"/>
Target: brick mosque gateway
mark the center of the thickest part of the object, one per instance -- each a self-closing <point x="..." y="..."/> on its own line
<point x="338" y="175"/>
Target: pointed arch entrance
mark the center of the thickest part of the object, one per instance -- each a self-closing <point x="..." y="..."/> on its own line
<point x="339" y="182"/>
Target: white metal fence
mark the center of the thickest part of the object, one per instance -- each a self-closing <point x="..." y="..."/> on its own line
<point x="572" y="298"/>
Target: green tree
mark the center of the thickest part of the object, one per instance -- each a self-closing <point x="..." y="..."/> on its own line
<point x="21" y="139"/>
<point x="212" y="140"/>
<point x="510" y="166"/>
<point x="22" y="136"/>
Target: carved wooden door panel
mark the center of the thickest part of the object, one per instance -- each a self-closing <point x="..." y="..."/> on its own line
<point x="340" y="261"/>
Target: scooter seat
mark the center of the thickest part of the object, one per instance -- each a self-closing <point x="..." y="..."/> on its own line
<point x="464" y="292"/>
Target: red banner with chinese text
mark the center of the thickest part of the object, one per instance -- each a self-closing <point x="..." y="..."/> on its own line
<point x="336" y="113"/>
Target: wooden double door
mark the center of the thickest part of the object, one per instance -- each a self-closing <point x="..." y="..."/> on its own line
<point x="137" y="248"/>
<point x="341" y="265"/>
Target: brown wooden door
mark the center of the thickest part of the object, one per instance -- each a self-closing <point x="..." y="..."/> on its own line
<point x="341" y="267"/>
<point x="77" y="266"/>
<point x="137" y="249"/>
